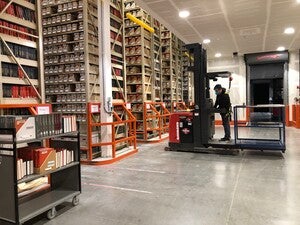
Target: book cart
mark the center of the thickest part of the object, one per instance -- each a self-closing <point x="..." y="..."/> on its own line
<point x="65" y="181"/>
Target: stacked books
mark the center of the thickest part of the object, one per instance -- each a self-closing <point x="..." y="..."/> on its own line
<point x="48" y="125"/>
<point x="33" y="189"/>
<point x="12" y="70"/>
<point x="69" y="124"/>
<point x="24" y="168"/>
<point x="13" y="27"/>
<point x="41" y="160"/>
<point x="64" y="157"/>
<point x="18" y="91"/>
<point x="20" y="51"/>
<point x="18" y="11"/>
<point x="32" y="127"/>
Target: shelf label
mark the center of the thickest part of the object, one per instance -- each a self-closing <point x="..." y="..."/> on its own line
<point x="147" y="106"/>
<point x="128" y="106"/>
<point x="95" y="108"/>
<point x="43" y="110"/>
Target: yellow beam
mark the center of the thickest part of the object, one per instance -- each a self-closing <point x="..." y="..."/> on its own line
<point x="189" y="56"/>
<point x="139" y="22"/>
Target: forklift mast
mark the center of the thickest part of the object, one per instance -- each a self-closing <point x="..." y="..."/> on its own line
<point x="203" y="120"/>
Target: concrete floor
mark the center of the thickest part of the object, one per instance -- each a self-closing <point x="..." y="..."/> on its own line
<point x="155" y="187"/>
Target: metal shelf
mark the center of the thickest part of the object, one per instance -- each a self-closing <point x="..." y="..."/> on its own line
<point x="39" y="139"/>
<point x="19" y="21"/>
<point x="37" y="206"/>
<point x="19" y="41"/>
<point x="36" y="176"/>
<point x="62" y="12"/>
<point x="24" y="62"/>
<point x="20" y="81"/>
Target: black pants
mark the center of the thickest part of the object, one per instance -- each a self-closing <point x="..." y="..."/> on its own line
<point x="226" y="124"/>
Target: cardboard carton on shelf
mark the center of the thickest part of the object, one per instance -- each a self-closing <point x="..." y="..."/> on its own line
<point x="24" y="125"/>
<point x="44" y="160"/>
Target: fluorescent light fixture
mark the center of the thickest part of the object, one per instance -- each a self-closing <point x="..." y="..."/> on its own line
<point x="218" y="55"/>
<point x="289" y="30"/>
<point x="281" y="48"/>
<point x="206" y="41"/>
<point x="184" y="14"/>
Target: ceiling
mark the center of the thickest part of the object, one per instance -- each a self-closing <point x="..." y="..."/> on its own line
<point x="243" y="26"/>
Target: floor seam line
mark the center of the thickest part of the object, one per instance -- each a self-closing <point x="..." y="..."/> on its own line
<point x="234" y="191"/>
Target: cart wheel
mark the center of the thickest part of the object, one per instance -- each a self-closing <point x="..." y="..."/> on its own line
<point x="75" y="201"/>
<point x="51" y="214"/>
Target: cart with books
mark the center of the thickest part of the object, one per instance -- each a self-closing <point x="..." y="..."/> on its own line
<point x="39" y="166"/>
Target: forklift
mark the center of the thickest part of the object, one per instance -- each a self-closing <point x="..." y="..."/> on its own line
<point x="193" y="131"/>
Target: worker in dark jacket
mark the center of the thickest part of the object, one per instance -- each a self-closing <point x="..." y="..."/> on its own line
<point x="224" y="105"/>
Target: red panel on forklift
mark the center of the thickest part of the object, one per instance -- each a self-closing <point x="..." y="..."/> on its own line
<point x="174" y="133"/>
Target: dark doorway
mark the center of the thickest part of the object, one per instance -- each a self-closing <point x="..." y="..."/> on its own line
<point x="261" y="93"/>
<point x="266" y="83"/>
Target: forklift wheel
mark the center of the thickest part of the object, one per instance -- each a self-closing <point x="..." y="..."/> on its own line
<point x="167" y="149"/>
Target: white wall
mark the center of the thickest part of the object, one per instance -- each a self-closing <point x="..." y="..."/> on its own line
<point x="238" y="68"/>
<point x="293" y="78"/>
<point x="238" y="87"/>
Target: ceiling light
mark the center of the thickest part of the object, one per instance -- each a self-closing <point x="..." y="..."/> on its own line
<point x="289" y="30"/>
<point x="184" y="14"/>
<point x="218" y="55"/>
<point x="298" y="1"/>
<point x="206" y="41"/>
<point x="281" y="48"/>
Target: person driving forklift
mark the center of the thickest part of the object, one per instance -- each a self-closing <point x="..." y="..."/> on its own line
<point x="224" y="105"/>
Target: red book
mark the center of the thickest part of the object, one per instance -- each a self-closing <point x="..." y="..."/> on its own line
<point x="20" y="73"/>
<point x="26" y="153"/>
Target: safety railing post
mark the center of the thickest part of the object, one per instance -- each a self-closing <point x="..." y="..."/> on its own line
<point x="113" y="141"/>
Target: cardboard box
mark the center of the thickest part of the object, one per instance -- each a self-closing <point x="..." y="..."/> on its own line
<point x="44" y="160"/>
<point x="25" y="127"/>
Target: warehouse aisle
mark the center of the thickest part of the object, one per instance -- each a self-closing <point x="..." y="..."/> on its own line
<point x="156" y="187"/>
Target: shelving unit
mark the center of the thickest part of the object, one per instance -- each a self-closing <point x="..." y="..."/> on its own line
<point x="21" y="64"/>
<point x="168" y="67"/>
<point x="65" y="182"/>
<point x="171" y="67"/>
<point x="157" y="58"/>
<point x="179" y="69"/>
<point x="71" y="52"/>
<point x="118" y="50"/>
<point x="154" y="68"/>
<point x="139" y="66"/>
